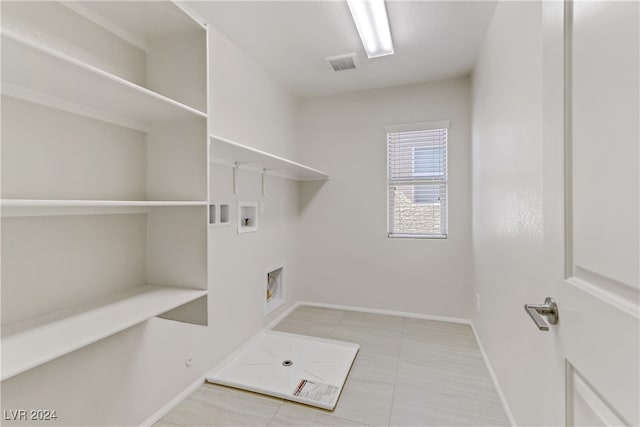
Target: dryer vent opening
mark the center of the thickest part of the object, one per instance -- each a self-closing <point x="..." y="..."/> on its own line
<point x="274" y="297"/>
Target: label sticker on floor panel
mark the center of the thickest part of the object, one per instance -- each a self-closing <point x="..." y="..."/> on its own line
<point x="320" y="392"/>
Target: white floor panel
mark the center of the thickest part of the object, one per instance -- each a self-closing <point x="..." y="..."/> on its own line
<point x="300" y="368"/>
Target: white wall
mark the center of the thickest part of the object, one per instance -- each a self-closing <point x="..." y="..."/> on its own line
<point x="250" y="108"/>
<point x="238" y="263"/>
<point x="507" y="202"/>
<point x="247" y="105"/>
<point x="125" y="378"/>
<point x="348" y="258"/>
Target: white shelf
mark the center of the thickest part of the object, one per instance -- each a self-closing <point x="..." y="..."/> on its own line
<point x="224" y="151"/>
<point x="40" y="74"/>
<point x="33" y="342"/>
<point x="138" y="22"/>
<point x="33" y="207"/>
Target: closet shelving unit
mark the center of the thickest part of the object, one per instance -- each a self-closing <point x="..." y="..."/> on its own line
<point x="104" y="173"/>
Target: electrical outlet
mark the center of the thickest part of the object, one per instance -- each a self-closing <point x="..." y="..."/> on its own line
<point x="478" y="303"/>
<point x="189" y="360"/>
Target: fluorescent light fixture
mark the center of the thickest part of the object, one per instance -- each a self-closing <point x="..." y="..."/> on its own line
<point x="372" y="23"/>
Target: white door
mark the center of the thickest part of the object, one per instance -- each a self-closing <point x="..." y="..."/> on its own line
<point x="591" y="202"/>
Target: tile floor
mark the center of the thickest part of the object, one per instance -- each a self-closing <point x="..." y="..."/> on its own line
<point x="408" y="372"/>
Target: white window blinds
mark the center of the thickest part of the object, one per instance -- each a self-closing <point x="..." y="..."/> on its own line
<point x="417" y="180"/>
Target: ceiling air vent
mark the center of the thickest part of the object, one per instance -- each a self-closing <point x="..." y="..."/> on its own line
<point x="342" y="62"/>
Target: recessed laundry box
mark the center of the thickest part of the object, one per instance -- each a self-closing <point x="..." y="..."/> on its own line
<point x="247" y="217"/>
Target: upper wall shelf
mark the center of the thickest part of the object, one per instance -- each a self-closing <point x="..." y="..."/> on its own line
<point x="37" y="73"/>
<point x="224" y="151"/>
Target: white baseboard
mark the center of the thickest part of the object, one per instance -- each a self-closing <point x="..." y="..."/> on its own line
<point x="281" y="316"/>
<point x="503" y="399"/>
<point x="172" y="403"/>
<point x="388" y="312"/>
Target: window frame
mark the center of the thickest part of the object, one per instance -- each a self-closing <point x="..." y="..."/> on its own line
<point x="409" y="127"/>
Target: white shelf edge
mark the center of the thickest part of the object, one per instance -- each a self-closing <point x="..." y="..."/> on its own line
<point x="97" y="71"/>
<point x="33" y="342"/>
<point x="24" y="207"/>
<point x="286" y="168"/>
<point x="106" y="203"/>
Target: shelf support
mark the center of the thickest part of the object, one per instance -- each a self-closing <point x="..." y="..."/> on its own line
<point x="236" y="177"/>
<point x="264" y="182"/>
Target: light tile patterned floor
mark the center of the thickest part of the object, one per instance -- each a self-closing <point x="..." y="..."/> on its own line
<point x="408" y="372"/>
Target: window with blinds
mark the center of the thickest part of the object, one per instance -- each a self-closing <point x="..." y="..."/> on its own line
<point x="417" y="180"/>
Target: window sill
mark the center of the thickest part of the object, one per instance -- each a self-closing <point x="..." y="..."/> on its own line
<point x="417" y="236"/>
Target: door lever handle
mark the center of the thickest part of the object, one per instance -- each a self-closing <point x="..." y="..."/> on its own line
<point x="549" y="309"/>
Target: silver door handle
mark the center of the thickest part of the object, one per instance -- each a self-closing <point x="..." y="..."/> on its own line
<point x="549" y="309"/>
